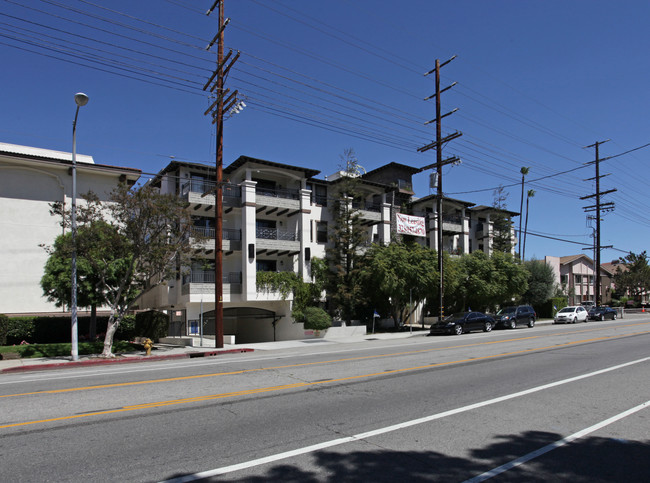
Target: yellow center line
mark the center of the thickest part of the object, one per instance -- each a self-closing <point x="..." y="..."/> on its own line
<point x="247" y="392"/>
<point x="302" y="364"/>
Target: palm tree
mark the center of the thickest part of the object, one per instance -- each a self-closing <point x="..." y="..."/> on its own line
<point x="531" y="193"/>
<point x="524" y="171"/>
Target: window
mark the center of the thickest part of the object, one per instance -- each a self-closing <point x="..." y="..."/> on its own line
<point x="267" y="265"/>
<point x="564" y="279"/>
<point x="321" y="232"/>
<point x="577" y="279"/>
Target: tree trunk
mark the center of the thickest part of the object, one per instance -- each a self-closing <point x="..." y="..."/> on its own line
<point x="521" y="207"/>
<point x="523" y="256"/>
<point x="110" y="332"/>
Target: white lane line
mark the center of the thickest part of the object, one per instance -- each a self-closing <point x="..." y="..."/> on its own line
<point x="557" y="444"/>
<point x="395" y="427"/>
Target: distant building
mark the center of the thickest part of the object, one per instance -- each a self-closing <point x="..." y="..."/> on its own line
<point x="30" y="180"/>
<point x="576" y="276"/>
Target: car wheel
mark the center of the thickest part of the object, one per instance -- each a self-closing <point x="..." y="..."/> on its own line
<point x="458" y="330"/>
<point x="614" y="317"/>
<point x="531" y="323"/>
<point x="487" y="327"/>
<point x="513" y="324"/>
<point x="602" y="317"/>
<point x="575" y="319"/>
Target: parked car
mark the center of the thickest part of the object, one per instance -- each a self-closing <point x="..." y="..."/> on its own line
<point x="571" y="315"/>
<point x="602" y="313"/>
<point x="463" y="322"/>
<point x="511" y="317"/>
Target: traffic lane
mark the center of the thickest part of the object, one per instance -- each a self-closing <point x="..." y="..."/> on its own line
<point x="226" y="433"/>
<point x="92" y="401"/>
<point x="461" y="446"/>
<point x="80" y="377"/>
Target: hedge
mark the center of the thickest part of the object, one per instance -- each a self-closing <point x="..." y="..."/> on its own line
<point x="549" y="308"/>
<point x="51" y="330"/>
<point x="151" y="324"/>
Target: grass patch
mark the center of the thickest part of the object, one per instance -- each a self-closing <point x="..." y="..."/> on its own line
<point x="63" y="349"/>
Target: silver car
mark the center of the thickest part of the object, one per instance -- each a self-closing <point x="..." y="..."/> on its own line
<point x="571" y="315"/>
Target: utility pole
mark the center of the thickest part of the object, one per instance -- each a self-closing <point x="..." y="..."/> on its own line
<point x="217" y="118"/>
<point x="598" y="207"/>
<point x="438" y="143"/>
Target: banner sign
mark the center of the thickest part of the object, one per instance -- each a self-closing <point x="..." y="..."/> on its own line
<point x="411" y="225"/>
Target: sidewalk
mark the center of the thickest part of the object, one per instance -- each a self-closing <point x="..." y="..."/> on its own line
<point x="168" y="352"/>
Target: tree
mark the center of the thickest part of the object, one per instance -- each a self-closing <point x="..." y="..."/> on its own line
<point x="524" y="171"/>
<point x="484" y="282"/>
<point x="502" y="239"/>
<point x="347" y="238"/>
<point x="634" y="279"/>
<point x="541" y="282"/>
<point x="393" y="275"/>
<point x="56" y="283"/>
<point x="147" y="243"/>
<point x="531" y="193"/>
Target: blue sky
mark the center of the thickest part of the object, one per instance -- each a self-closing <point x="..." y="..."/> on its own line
<point x="537" y="81"/>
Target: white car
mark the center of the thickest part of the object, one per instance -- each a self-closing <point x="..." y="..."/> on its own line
<point x="571" y="315"/>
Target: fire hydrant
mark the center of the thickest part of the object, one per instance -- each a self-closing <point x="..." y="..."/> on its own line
<point x="148" y="344"/>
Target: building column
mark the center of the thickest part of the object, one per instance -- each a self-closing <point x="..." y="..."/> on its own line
<point x="304" y="228"/>
<point x="248" y="237"/>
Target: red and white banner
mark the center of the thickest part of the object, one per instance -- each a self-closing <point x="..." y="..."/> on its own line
<point x="411" y="225"/>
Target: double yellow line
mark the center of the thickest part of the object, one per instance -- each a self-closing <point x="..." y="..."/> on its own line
<point x="248" y="392"/>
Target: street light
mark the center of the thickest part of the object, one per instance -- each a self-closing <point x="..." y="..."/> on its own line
<point x="80" y="99"/>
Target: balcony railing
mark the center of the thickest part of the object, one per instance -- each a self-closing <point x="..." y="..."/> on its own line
<point x="226" y="233"/>
<point x="290" y="194"/>
<point x="454" y="219"/>
<point x="200" y="186"/>
<point x="319" y="199"/>
<point x="364" y="205"/>
<point x="275" y="234"/>
<point x="207" y="276"/>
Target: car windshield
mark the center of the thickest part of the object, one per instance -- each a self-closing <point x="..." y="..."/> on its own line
<point x="507" y="310"/>
<point x="457" y="315"/>
<point x="567" y="309"/>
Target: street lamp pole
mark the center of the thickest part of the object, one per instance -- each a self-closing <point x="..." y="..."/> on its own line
<point x="80" y="99"/>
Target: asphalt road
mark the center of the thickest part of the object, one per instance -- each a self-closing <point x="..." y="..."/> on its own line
<point x="552" y="403"/>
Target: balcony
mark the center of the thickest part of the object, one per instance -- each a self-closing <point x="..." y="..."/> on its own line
<point x="452" y="223"/>
<point x="368" y="210"/>
<point x="231" y="238"/>
<point x="274" y="239"/>
<point x="277" y="197"/>
<point x="193" y="191"/>
<point x="202" y="282"/>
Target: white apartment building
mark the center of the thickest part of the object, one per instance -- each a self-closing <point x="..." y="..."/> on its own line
<point x="30" y="180"/>
<point x="276" y="218"/>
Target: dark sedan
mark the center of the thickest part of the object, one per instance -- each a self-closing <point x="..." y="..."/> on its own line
<point x="463" y="322"/>
<point x="602" y="313"/>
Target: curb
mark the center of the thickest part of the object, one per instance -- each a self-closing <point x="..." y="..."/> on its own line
<point x="125" y="360"/>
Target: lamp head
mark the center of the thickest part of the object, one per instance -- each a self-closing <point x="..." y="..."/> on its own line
<point x="80" y="99"/>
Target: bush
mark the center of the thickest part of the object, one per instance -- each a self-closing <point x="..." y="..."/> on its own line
<point x="16" y="330"/>
<point x="316" y="318"/>
<point x="4" y="328"/>
<point x="126" y="329"/>
<point x="547" y="310"/>
<point x="151" y="324"/>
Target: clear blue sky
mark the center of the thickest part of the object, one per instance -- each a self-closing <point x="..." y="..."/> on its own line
<point x="537" y="81"/>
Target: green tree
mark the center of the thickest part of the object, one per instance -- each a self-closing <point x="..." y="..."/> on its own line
<point x="347" y="239"/>
<point x="148" y="242"/>
<point x="484" y="282"/>
<point x="541" y="283"/>
<point x="392" y="274"/>
<point x="91" y="239"/>
<point x="634" y="278"/>
<point x="502" y="239"/>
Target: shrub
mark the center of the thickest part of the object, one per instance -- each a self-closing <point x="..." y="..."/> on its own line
<point x="316" y="318"/>
<point x="151" y="324"/>
<point x="17" y="329"/>
<point x="547" y="310"/>
<point x="4" y="328"/>
<point x="126" y="329"/>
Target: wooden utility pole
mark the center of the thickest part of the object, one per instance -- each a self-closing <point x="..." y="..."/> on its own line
<point x="217" y="118"/>
<point x="598" y="207"/>
<point x="438" y="143"/>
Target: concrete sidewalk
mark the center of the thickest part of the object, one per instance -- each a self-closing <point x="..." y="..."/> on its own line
<point x="167" y="352"/>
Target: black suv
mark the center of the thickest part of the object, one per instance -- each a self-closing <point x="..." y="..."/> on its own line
<point x="511" y="317"/>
